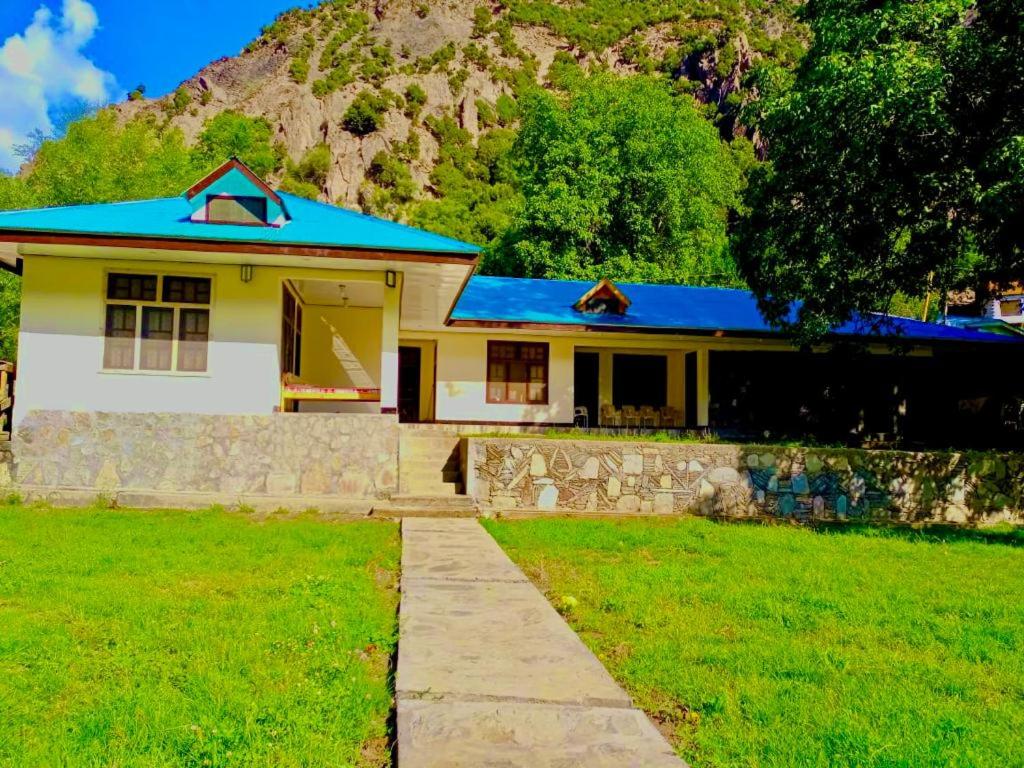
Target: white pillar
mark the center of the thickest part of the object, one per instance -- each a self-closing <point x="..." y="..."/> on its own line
<point x="390" y="317"/>
<point x="703" y="387"/>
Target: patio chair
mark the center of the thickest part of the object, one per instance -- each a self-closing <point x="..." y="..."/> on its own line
<point x="669" y="416"/>
<point x="610" y="416"/>
<point x="648" y="416"/>
<point x="630" y="418"/>
<point x="581" y="417"/>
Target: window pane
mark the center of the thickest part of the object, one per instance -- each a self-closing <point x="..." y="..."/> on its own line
<point x="119" y="348"/>
<point x="187" y="290"/>
<point x="236" y="210"/>
<point x="516" y="392"/>
<point x="131" y="287"/>
<point x="157" y="334"/>
<point x="193" y="339"/>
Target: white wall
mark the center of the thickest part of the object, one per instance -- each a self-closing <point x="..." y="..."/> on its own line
<point x="462" y="381"/>
<point x="60" y="358"/>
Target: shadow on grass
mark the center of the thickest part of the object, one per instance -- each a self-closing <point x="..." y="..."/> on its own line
<point x="1012" y="536"/>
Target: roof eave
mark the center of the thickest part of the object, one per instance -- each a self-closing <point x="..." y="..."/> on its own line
<point x="54" y="237"/>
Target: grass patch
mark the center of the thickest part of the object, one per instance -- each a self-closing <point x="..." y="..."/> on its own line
<point x="781" y="646"/>
<point x="194" y="639"/>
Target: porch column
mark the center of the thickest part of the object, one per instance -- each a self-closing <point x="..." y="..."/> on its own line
<point x="604" y="384"/>
<point x="703" y="387"/>
<point x="390" y="317"/>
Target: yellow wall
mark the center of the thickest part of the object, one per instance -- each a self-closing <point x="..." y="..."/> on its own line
<point x="60" y="359"/>
<point x="462" y="377"/>
<point x="341" y="348"/>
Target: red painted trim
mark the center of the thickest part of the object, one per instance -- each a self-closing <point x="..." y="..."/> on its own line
<point x="233" y="164"/>
<point x="265" y="249"/>
<point x="477" y="422"/>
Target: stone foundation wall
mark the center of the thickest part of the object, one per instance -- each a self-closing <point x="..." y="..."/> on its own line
<point x="280" y="454"/>
<point x="634" y="477"/>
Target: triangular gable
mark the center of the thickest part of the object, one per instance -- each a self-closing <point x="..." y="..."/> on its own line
<point x="234" y="179"/>
<point x="603" y="298"/>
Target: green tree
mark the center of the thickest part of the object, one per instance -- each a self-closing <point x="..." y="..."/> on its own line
<point x="232" y="134"/>
<point x="100" y="160"/>
<point x="365" y="114"/>
<point x="894" y="166"/>
<point x="620" y="179"/>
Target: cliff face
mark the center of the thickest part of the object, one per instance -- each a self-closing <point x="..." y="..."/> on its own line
<point x="308" y="66"/>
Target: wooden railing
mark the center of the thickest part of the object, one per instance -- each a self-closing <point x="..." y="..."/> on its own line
<point x="6" y="398"/>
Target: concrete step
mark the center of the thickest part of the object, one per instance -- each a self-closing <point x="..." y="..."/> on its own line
<point x="431" y="474"/>
<point x="393" y="510"/>
<point x="426" y="505"/>
<point x="436" y="488"/>
<point x="428" y="500"/>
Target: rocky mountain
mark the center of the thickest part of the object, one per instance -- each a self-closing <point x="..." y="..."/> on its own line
<point x="373" y="79"/>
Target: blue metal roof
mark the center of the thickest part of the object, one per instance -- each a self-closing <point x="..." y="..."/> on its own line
<point x="659" y="308"/>
<point x="312" y="224"/>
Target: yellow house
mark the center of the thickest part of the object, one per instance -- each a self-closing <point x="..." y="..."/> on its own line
<point x="212" y="342"/>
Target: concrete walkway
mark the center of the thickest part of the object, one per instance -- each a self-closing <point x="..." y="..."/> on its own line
<point x="490" y="675"/>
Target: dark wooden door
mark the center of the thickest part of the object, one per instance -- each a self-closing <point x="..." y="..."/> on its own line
<point x="409" y="366"/>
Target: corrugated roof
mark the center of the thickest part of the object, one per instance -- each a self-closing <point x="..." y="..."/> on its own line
<point x="312" y="224"/>
<point x="660" y="308"/>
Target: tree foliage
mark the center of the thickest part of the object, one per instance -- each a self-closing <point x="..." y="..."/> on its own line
<point x="101" y="159"/>
<point x="232" y="134"/>
<point x="894" y="167"/>
<point x="620" y="179"/>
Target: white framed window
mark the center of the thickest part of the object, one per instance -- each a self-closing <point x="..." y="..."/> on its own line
<point x="157" y="322"/>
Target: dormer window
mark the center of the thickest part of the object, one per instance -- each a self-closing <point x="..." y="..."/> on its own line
<point x="236" y="209"/>
<point x="603" y="299"/>
<point x="233" y="194"/>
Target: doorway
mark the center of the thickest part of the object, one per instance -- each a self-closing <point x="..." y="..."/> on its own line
<point x="587" y="367"/>
<point x="410" y="366"/>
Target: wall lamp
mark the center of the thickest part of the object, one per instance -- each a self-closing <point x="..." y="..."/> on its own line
<point x="246" y="273"/>
<point x="391" y="278"/>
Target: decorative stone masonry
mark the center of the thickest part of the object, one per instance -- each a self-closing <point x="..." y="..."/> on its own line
<point x="634" y="477"/>
<point x="280" y="454"/>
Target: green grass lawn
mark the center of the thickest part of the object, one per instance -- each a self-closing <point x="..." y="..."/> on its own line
<point x="133" y="638"/>
<point x="781" y="646"/>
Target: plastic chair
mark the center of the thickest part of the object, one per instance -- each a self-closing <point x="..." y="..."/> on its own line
<point x="648" y="416"/>
<point x="630" y="418"/>
<point x="668" y="416"/>
<point x="609" y="415"/>
<point x="581" y="417"/>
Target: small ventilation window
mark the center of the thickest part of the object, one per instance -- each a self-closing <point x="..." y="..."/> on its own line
<point x="236" y="210"/>
<point x="603" y="299"/>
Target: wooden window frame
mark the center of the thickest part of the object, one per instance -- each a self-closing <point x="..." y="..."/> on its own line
<point x="543" y="361"/>
<point x="140" y="306"/>
<point x="291" y="331"/>
<point x="262" y="223"/>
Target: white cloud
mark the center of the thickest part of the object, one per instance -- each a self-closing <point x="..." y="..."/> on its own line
<point x="42" y="69"/>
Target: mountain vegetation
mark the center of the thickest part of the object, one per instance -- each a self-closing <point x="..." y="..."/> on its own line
<point x="676" y="141"/>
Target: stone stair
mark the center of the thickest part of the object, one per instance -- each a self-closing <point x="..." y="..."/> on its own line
<point x="429" y="463"/>
<point x="404" y="505"/>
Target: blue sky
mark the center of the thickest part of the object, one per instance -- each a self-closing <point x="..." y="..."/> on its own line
<point x="53" y="52"/>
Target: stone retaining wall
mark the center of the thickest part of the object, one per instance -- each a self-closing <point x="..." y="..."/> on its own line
<point x="280" y="454"/>
<point x="634" y="477"/>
